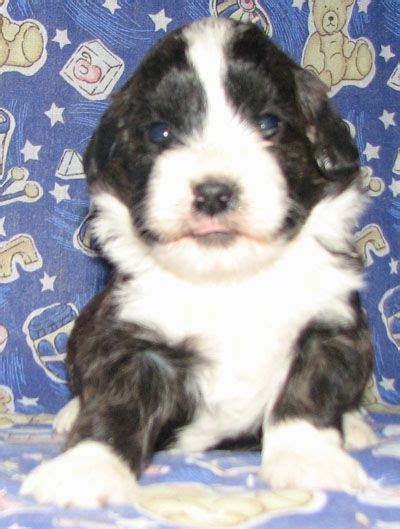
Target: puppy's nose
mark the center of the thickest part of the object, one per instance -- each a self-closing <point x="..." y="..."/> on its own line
<point x="213" y="197"/>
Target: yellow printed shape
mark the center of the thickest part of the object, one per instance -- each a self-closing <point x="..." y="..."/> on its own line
<point x="19" y="249"/>
<point x="22" y="44"/>
<point x="330" y="53"/>
<point x="195" y="505"/>
<point x="370" y="240"/>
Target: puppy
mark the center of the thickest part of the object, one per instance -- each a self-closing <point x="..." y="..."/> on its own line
<point x="225" y="190"/>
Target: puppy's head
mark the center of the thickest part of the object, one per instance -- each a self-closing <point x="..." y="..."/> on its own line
<point x="211" y="158"/>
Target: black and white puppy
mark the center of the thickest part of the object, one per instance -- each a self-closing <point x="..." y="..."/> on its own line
<point x="225" y="190"/>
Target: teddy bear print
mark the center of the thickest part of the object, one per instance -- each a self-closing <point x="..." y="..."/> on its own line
<point x="22" y="44"/>
<point x="330" y="53"/>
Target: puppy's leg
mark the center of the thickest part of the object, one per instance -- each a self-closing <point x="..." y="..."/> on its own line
<point x="133" y="391"/>
<point x="302" y="443"/>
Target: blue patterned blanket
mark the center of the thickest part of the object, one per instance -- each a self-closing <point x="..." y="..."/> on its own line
<point x="212" y="490"/>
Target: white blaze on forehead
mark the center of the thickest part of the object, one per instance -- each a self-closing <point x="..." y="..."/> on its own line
<point x="206" y="41"/>
<point x="223" y="125"/>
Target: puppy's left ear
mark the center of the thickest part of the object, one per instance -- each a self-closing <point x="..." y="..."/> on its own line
<point x="334" y="150"/>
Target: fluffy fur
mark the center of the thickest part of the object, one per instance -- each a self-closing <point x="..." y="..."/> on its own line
<point x="225" y="189"/>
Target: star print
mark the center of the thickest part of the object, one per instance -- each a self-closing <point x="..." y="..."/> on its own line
<point x="30" y="151"/>
<point x="298" y="4"/>
<point x="388" y="383"/>
<point x="2" y="230"/>
<point x="60" y="193"/>
<point x="111" y="5"/>
<point x="26" y="401"/>
<point x="363" y="5"/>
<point x="393" y="266"/>
<point x="55" y="114"/>
<point x="386" y="53"/>
<point x="387" y="119"/>
<point x="395" y="187"/>
<point x="47" y="282"/>
<point x="371" y="151"/>
<point x="61" y="38"/>
<point x="160" y="20"/>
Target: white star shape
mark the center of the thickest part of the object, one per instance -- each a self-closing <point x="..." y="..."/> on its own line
<point x="60" y="193"/>
<point x="395" y="187"/>
<point x="160" y="20"/>
<point x="47" y="282"/>
<point x="298" y="4"/>
<point x="363" y="5"/>
<point x="111" y="5"/>
<point x="30" y="151"/>
<point x="388" y="384"/>
<point x="2" y="230"/>
<point x="387" y="119"/>
<point x="26" y="401"/>
<point x="393" y="265"/>
<point x="386" y="53"/>
<point x="371" y="151"/>
<point x="55" y="114"/>
<point x="62" y="37"/>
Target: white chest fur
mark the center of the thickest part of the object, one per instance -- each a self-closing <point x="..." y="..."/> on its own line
<point x="246" y="329"/>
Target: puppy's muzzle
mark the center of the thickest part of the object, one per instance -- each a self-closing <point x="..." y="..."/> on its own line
<point x="213" y="199"/>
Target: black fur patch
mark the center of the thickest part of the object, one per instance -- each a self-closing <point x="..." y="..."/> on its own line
<point x="332" y="364"/>
<point x="135" y="391"/>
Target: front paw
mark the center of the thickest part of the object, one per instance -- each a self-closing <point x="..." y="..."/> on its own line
<point x="298" y="455"/>
<point x="89" y="475"/>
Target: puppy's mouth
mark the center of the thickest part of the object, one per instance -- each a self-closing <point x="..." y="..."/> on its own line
<point x="215" y="232"/>
<point x="211" y="231"/>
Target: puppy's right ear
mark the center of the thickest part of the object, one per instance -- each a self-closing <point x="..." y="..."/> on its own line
<point x="334" y="150"/>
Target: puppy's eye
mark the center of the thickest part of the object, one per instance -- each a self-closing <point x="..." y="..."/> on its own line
<point x="268" y="125"/>
<point x="159" y="133"/>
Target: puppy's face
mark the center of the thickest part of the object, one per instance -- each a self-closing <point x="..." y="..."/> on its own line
<point x="212" y="157"/>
